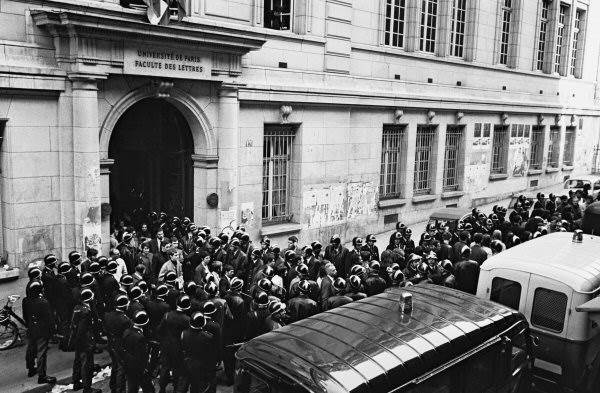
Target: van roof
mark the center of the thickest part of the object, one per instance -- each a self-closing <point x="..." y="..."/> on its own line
<point x="369" y="345"/>
<point x="555" y="256"/>
<point x="450" y="213"/>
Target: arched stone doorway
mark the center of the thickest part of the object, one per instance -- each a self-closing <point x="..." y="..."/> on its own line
<point x="152" y="146"/>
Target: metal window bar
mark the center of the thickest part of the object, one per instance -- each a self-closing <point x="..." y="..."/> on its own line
<point x="541" y="48"/>
<point x="537" y="147"/>
<point x="458" y="22"/>
<point x="505" y="36"/>
<point x="569" y="146"/>
<point x="423" y="159"/>
<point x="499" y="150"/>
<point x="429" y="10"/>
<point x="553" y="147"/>
<point x="395" y="11"/>
<point x="278" y="14"/>
<point x="277" y="160"/>
<point x="392" y="143"/>
<point x="560" y="31"/>
<point x="576" y="27"/>
<point x="451" y="157"/>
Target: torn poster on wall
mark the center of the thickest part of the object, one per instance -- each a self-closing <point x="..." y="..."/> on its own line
<point x="325" y="205"/>
<point x="247" y="214"/>
<point x="228" y="220"/>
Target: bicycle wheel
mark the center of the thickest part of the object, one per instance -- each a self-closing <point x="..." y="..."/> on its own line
<point x="9" y="332"/>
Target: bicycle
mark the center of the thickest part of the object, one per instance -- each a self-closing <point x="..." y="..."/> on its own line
<point x="10" y="334"/>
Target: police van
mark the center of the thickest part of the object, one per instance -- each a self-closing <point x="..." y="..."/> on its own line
<point x="554" y="280"/>
<point x="423" y="338"/>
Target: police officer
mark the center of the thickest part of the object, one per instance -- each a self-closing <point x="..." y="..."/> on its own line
<point x="115" y="324"/>
<point x="374" y="283"/>
<point x="355" y="288"/>
<point x="257" y="315"/>
<point x="277" y="316"/>
<point x="50" y="283"/>
<point x="39" y="320"/>
<point x="156" y="309"/>
<point x="338" y="299"/>
<point x="135" y="301"/>
<point x="136" y="353"/>
<point x="170" y="329"/>
<point x="199" y="353"/>
<point x="233" y="333"/>
<point x="83" y="363"/>
<point x="302" y="306"/>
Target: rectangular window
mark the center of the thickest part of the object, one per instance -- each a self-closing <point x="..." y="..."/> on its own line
<point x="277" y="164"/>
<point x="554" y="147"/>
<point x="395" y="13"/>
<point x="569" y="146"/>
<point x="457" y="31"/>
<point x="537" y="147"/>
<point x="549" y="309"/>
<point x="424" y="163"/>
<point x="506" y="292"/>
<point x="543" y="36"/>
<point x="499" y="150"/>
<point x="505" y="35"/>
<point x="451" y="157"/>
<point x="560" y="32"/>
<point x="429" y="10"/>
<point x="392" y="146"/>
<point x="278" y="14"/>
<point x="576" y="43"/>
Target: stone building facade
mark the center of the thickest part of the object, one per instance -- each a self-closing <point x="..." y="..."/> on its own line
<point x="307" y="117"/>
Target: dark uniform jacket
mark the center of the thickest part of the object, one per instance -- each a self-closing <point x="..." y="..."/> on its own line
<point x="374" y="284"/>
<point x="301" y="307"/>
<point x="84" y="327"/>
<point x="337" y="256"/>
<point x="156" y="310"/>
<point x="115" y="324"/>
<point x="199" y="350"/>
<point x="336" y="301"/>
<point x="169" y="329"/>
<point x="466" y="274"/>
<point x="37" y="316"/>
<point x="135" y="351"/>
<point x="234" y="331"/>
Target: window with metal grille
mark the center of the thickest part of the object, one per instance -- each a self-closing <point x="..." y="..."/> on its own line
<point x="424" y="160"/>
<point x="569" y="149"/>
<point x="505" y="34"/>
<point x="537" y="147"/>
<point x="278" y="14"/>
<point x="554" y="147"/>
<point x="549" y="309"/>
<point x="560" y="32"/>
<point x="506" y="292"/>
<point x="458" y="23"/>
<point x="392" y="146"/>
<point x="576" y="44"/>
<point x="499" y="149"/>
<point x="395" y="13"/>
<point x="429" y="10"/>
<point x="543" y="36"/>
<point x="453" y="150"/>
<point x="277" y="166"/>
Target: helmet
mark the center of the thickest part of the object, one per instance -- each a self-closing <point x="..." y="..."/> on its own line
<point x="316" y="245"/>
<point x="214" y="242"/>
<point x="268" y="271"/>
<point x="257" y="252"/>
<point x="141" y="318"/>
<point x="35" y="287"/>
<point x="211" y="288"/>
<point x="339" y="284"/>
<point x="87" y="295"/>
<point x="422" y="268"/>
<point x="245" y="237"/>
<point x="395" y="266"/>
<point x="34" y="273"/>
<point x="121" y="302"/>
<point x="408" y="232"/>
<point x="103" y="262"/>
<point x="143" y="286"/>
<point x="197" y="321"/>
<point x="64" y="267"/>
<point x="354" y="282"/>
<point x="264" y="284"/>
<point x="335" y="239"/>
<point x="94" y="267"/>
<point x="375" y="265"/>
<point x="276" y="307"/>
<point x="161" y="290"/>
<point x="50" y="260"/>
<point x="183" y="303"/>
<point x="112" y="266"/>
<point x="86" y="279"/>
<point x="398" y="276"/>
<point x="209" y="308"/>
<point x="190" y="287"/>
<point x="426" y="237"/>
<point x="135" y="293"/>
<point x="209" y="277"/>
<point x="170" y="277"/>
<point x="276" y="249"/>
<point x="237" y="284"/>
<point x="289" y="255"/>
<point x="447" y="265"/>
<point x="235" y="242"/>
<point x="127" y="280"/>
<point x="74" y="258"/>
<point x="261" y="298"/>
<point x="302" y="269"/>
<point x="357" y="270"/>
<point x="304" y="286"/>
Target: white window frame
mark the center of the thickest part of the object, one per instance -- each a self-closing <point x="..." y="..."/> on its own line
<point x="561" y="40"/>
<point x="506" y="9"/>
<point x="398" y="8"/>
<point x="577" y="46"/>
<point x="458" y="27"/>
<point x="428" y="33"/>
<point x="543" y="36"/>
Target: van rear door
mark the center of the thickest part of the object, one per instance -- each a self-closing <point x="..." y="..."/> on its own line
<point x="508" y="287"/>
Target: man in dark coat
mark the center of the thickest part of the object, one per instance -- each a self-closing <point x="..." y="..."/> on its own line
<point x="302" y="306"/>
<point x="170" y="329"/>
<point x="136" y="352"/>
<point x="336" y="253"/>
<point x="199" y="354"/>
<point x="374" y="283"/>
<point x="233" y="333"/>
<point x="478" y="254"/>
<point x="327" y="284"/>
<point x="466" y="272"/>
<point x="115" y="324"/>
<point x="83" y="322"/>
<point x="338" y="299"/>
<point x="39" y="320"/>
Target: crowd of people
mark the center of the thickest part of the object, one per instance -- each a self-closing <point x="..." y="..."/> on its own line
<point x="174" y="301"/>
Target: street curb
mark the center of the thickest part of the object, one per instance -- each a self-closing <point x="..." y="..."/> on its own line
<point x="62" y="381"/>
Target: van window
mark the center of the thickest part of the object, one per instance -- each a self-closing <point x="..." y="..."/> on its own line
<point x="549" y="309"/>
<point x="506" y="292"/>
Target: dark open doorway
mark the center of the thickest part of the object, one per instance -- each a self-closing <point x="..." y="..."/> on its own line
<point x="152" y="146"/>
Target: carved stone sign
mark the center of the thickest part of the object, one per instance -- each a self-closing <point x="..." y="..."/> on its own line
<point x="140" y="59"/>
